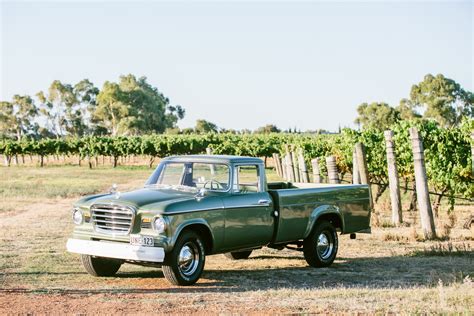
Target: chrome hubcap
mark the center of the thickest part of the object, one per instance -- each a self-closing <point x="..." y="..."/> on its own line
<point x="188" y="259"/>
<point x="325" y="245"/>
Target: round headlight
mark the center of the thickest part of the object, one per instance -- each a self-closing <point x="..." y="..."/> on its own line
<point x="159" y="225"/>
<point x="77" y="216"/>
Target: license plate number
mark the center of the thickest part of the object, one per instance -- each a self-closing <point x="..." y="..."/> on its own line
<point x="142" y="240"/>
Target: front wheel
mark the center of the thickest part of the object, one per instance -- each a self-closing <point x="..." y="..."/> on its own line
<point x="185" y="263"/>
<point x="320" y="247"/>
<point x="98" y="266"/>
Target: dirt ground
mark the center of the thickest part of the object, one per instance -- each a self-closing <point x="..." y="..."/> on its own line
<point x="387" y="271"/>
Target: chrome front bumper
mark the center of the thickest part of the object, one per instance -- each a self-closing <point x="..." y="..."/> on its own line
<point x="116" y="250"/>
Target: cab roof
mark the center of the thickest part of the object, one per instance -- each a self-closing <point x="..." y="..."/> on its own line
<point x="228" y="159"/>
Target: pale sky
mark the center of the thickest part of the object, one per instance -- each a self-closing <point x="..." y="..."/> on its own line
<point x="242" y="64"/>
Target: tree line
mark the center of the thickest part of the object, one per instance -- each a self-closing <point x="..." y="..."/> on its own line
<point x="130" y="106"/>
<point x="435" y="98"/>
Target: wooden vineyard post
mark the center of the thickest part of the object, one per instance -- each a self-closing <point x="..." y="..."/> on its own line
<point x="423" y="197"/>
<point x="472" y="152"/>
<point x="363" y="170"/>
<point x="284" y="168"/>
<point x="303" y="170"/>
<point x="316" y="171"/>
<point x="333" y="175"/>
<point x="393" y="180"/>
<point x="355" y="168"/>
<point x="290" y="169"/>
<point x="209" y="152"/>
<point x="294" y="163"/>
<point x="290" y="172"/>
<point x="277" y="162"/>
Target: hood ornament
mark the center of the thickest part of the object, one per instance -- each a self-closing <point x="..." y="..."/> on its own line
<point x="113" y="190"/>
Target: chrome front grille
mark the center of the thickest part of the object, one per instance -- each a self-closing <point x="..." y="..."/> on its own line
<point x="112" y="219"/>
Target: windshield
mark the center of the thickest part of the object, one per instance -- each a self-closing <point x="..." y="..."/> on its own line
<point x="191" y="176"/>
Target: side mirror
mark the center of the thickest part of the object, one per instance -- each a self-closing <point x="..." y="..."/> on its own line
<point x="201" y="194"/>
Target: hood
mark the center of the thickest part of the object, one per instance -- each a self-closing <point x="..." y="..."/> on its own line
<point x="138" y="198"/>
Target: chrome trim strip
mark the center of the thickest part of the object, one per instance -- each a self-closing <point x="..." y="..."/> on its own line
<point x="247" y="206"/>
<point x="215" y="209"/>
<point x="113" y="217"/>
<point x="112" y="222"/>
<point x="192" y="211"/>
<point x="106" y="210"/>
<point x="324" y="202"/>
<point x="114" y="228"/>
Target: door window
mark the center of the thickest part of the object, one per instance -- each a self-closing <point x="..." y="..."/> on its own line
<point x="246" y="179"/>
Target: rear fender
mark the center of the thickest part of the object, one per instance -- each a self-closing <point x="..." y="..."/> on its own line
<point x="320" y="211"/>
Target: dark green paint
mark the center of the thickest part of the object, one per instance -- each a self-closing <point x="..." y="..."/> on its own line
<point x="237" y="220"/>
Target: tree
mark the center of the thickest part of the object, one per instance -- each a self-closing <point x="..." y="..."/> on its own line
<point x="17" y="117"/>
<point x="112" y="110"/>
<point x="376" y="115"/>
<point x="203" y="126"/>
<point x="133" y="107"/>
<point x="442" y="99"/>
<point x="58" y="108"/>
<point x="82" y="120"/>
<point x="175" y="113"/>
<point x="269" y="128"/>
<point x="187" y="131"/>
<point x="405" y="108"/>
<point x="6" y="119"/>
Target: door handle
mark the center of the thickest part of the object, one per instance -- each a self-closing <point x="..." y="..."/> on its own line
<point x="263" y="202"/>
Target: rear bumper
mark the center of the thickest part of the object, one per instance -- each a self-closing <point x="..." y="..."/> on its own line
<point x="116" y="250"/>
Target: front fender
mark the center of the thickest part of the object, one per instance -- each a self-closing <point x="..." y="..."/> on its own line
<point x="186" y="224"/>
<point x="320" y="211"/>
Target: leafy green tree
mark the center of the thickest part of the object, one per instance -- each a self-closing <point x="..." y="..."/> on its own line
<point x="175" y="113"/>
<point x="17" y="117"/>
<point x="57" y="107"/>
<point x="203" y="126"/>
<point x="112" y="110"/>
<point x="442" y="99"/>
<point x="405" y="108"/>
<point x="187" y="131"/>
<point x="133" y="107"/>
<point x="173" y="131"/>
<point x="376" y="115"/>
<point x="269" y="128"/>
<point x="81" y="117"/>
<point x="6" y="119"/>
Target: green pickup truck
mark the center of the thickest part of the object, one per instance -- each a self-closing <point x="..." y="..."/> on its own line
<point x="194" y="206"/>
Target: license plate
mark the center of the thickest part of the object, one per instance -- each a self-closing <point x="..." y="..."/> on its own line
<point x="142" y="240"/>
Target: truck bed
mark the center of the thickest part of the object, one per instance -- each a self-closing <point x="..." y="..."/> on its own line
<point x="300" y="204"/>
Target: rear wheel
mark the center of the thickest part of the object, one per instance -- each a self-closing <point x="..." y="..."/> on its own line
<point x="99" y="266"/>
<point x="185" y="263"/>
<point x="238" y="255"/>
<point x="320" y="247"/>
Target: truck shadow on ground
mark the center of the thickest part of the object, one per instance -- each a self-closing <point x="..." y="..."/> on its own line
<point x="372" y="272"/>
<point x="366" y="272"/>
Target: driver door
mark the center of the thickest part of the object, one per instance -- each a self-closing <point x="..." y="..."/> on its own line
<point x="248" y="210"/>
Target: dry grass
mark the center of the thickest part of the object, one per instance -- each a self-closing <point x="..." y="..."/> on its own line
<point x="387" y="271"/>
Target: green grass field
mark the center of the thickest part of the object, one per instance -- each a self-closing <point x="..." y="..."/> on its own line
<point x="387" y="271"/>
